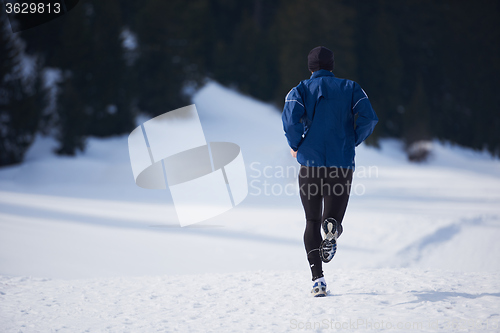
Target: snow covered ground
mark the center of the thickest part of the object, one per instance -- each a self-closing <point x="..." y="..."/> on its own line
<point x="261" y="301"/>
<point x="83" y="249"/>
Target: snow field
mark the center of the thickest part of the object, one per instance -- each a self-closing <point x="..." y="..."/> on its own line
<point x="263" y="301"/>
<point x="83" y="249"/>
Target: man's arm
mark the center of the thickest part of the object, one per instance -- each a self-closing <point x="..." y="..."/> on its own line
<point x="292" y="113"/>
<point x="367" y="119"/>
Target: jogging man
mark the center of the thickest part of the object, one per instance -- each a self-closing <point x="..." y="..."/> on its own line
<point x="324" y="119"/>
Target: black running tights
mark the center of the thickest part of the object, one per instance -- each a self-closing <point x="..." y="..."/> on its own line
<point x="328" y="186"/>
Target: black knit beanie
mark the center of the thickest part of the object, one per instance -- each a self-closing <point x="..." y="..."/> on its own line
<point x="320" y="58"/>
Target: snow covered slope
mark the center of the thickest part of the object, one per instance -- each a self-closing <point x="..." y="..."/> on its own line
<point x="83" y="248"/>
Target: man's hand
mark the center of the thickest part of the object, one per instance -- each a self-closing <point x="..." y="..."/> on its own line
<point x="293" y="152"/>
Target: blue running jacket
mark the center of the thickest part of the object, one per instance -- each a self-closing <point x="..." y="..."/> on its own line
<point x="318" y="120"/>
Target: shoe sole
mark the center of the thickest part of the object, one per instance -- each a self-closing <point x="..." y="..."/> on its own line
<point x="319" y="292"/>
<point x="326" y="254"/>
<point x="328" y="226"/>
<point x="330" y="240"/>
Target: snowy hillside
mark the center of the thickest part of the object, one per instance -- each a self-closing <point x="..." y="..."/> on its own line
<point x="82" y="248"/>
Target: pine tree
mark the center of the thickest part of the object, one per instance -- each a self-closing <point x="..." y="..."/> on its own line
<point x="418" y="122"/>
<point x="72" y="118"/>
<point x="108" y="96"/>
<point x="302" y="25"/>
<point x="380" y="65"/>
<point x="95" y="95"/>
<point x="20" y="101"/>
<point x="171" y="44"/>
<point x="245" y="55"/>
<point x="470" y="55"/>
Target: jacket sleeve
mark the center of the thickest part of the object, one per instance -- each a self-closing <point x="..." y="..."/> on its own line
<point x="367" y="119"/>
<point x="293" y="112"/>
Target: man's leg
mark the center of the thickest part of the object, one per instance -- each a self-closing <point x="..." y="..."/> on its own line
<point x="336" y="191"/>
<point x="311" y="197"/>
